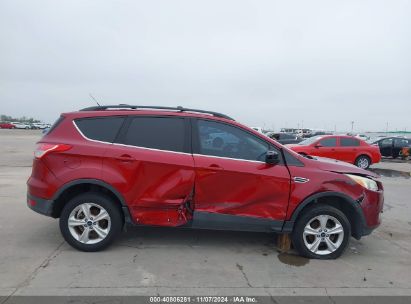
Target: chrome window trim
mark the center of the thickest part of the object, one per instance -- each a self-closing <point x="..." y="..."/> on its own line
<point x="124" y="145"/>
<point x="160" y="150"/>
<point x="229" y="158"/>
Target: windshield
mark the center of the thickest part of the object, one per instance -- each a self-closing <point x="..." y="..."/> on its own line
<point x="309" y="141"/>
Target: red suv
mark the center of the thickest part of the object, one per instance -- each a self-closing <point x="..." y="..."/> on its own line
<point x="103" y="167"/>
<point x="340" y="147"/>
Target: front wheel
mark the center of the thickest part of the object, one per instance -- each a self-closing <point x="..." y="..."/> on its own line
<point x="363" y="162"/>
<point x="90" y="221"/>
<point x="322" y="232"/>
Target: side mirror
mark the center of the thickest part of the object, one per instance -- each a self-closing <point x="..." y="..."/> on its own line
<point x="272" y="157"/>
<point x="318" y="146"/>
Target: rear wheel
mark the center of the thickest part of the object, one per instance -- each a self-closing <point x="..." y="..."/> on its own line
<point x="363" y="162"/>
<point x="322" y="232"/>
<point x="90" y="221"/>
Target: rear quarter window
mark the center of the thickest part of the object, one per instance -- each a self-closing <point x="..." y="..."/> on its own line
<point x="100" y="128"/>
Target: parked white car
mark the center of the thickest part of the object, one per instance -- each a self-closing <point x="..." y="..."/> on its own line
<point x="40" y="125"/>
<point x="20" y="125"/>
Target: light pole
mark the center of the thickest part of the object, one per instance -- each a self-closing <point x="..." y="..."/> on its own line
<point x="352" y="126"/>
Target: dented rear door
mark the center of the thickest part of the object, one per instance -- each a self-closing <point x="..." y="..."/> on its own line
<point x="154" y="169"/>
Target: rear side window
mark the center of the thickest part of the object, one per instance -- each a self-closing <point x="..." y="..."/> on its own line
<point x="349" y="142"/>
<point x="163" y="133"/>
<point x="329" y="142"/>
<point x="100" y="128"/>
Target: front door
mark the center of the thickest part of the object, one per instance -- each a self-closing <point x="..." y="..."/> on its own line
<point x="386" y="146"/>
<point x="232" y="179"/>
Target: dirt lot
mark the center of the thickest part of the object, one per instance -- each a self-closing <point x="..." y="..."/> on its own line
<point x="34" y="259"/>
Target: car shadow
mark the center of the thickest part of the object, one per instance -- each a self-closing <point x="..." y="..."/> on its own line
<point x="169" y="236"/>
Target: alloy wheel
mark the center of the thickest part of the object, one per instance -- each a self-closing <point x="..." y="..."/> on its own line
<point x="363" y="163"/>
<point x="323" y="234"/>
<point x="89" y="223"/>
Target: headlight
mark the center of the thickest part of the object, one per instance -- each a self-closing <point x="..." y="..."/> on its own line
<point x="364" y="181"/>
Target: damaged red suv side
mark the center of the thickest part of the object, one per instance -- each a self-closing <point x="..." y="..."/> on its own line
<point x="103" y="167"/>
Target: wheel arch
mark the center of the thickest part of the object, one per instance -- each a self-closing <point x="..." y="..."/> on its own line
<point x="71" y="189"/>
<point x="350" y="207"/>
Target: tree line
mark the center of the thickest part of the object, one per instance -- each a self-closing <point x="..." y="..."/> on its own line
<point x="7" y="118"/>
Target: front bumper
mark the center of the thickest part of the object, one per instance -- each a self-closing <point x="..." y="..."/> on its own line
<point x="371" y="206"/>
<point x="40" y="205"/>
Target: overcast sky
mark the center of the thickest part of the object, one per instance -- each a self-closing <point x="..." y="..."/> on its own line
<point x="319" y="64"/>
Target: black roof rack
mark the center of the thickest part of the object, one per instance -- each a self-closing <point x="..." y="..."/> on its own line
<point x="133" y="107"/>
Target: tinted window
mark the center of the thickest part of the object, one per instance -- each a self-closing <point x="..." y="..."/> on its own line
<point x="163" y="133"/>
<point x="386" y="142"/>
<point x="100" y="128"/>
<point x="287" y="136"/>
<point x="349" y="142"/>
<point x="291" y="160"/>
<point x="223" y="140"/>
<point x="328" y="142"/>
<point x="400" y="142"/>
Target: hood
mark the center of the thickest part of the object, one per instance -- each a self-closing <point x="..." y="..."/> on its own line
<point x="332" y="165"/>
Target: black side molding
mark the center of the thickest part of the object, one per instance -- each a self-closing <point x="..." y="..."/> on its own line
<point x="219" y="221"/>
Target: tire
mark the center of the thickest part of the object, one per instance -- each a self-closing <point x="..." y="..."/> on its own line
<point x="363" y="162"/>
<point x="100" y="233"/>
<point x="309" y="224"/>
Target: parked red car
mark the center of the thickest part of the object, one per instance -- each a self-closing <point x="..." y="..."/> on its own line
<point x="102" y="167"/>
<point x="6" y="125"/>
<point x="345" y="148"/>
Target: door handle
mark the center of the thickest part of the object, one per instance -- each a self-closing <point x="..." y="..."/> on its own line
<point x="125" y="158"/>
<point x="215" y="167"/>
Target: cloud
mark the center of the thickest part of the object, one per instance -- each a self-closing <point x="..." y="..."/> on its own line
<point x="273" y="63"/>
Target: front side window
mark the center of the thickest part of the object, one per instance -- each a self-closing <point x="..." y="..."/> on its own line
<point x="328" y="142"/>
<point x="223" y="140"/>
<point x="100" y="128"/>
<point x="349" y="142"/>
<point x="163" y="133"/>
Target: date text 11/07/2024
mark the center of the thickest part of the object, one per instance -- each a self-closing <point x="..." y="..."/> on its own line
<point x="203" y="299"/>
